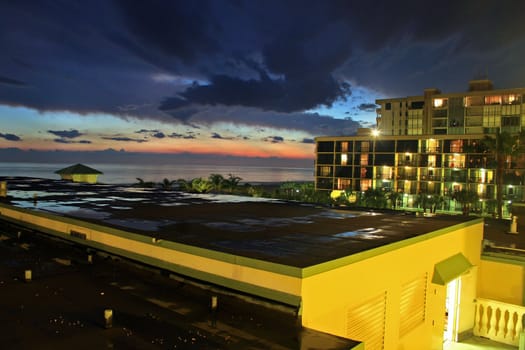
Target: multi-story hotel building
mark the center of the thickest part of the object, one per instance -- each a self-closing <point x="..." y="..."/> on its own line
<point x="429" y="144"/>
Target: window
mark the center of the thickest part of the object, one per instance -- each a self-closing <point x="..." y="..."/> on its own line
<point x="510" y="99"/>
<point x="344" y="159"/>
<point x="324" y="171"/>
<point x="456" y="146"/>
<point x="440" y="102"/>
<point x="417" y="104"/>
<point x="343" y="184"/>
<point x="492" y="100"/>
<point x="364" y="159"/>
<point x="510" y="121"/>
<point x="325" y="146"/>
<point x="388" y="106"/>
<point x="325" y="158"/>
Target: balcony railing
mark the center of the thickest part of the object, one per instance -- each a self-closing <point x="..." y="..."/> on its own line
<point x="499" y="321"/>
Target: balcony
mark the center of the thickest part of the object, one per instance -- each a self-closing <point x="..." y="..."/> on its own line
<point x="500" y="322"/>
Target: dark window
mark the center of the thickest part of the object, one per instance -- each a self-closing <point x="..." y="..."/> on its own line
<point x="384" y="159"/>
<point x="325" y="146"/>
<point x="510" y="121"/>
<point x="324" y="183"/>
<point x="407" y="146"/>
<point x="417" y="104"/>
<point x="385" y="146"/>
<point x="325" y="159"/>
<point x="343" y="171"/>
<point x="388" y="106"/>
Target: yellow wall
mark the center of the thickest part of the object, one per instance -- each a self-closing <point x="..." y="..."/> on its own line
<point x="501" y="281"/>
<point x="89" y="178"/>
<point x="328" y="296"/>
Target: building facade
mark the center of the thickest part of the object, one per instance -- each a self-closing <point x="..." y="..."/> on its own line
<point x="430" y="144"/>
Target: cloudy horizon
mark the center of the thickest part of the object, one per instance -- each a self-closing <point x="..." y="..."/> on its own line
<point x="256" y="79"/>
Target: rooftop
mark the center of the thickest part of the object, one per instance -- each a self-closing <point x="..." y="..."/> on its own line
<point x="288" y="233"/>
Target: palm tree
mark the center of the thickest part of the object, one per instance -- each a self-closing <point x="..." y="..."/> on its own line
<point x="201" y="185"/>
<point x="217" y="181"/>
<point x="466" y="198"/>
<point x="503" y="146"/>
<point x="423" y="200"/>
<point x="231" y="182"/>
<point x="166" y="184"/>
<point x="375" y="198"/>
<point x="144" y="184"/>
<point x="436" y="201"/>
<point x="184" y="185"/>
<point x="394" y="197"/>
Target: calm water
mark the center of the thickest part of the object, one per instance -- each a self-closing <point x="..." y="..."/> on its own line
<point x="128" y="173"/>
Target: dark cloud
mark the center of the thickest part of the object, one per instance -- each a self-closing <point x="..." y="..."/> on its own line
<point x="308" y="141"/>
<point x="9" y="81"/>
<point x="146" y="131"/>
<point x="10" y="137"/>
<point x="367" y="107"/>
<point x="181" y="136"/>
<point x="153" y="133"/>
<point x="274" y="139"/>
<point x="69" y="134"/>
<point x="215" y="135"/>
<point x="275" y="95"/>
<point x="124" y="139"/>
<point x="277" y="58"/>
<point x="311" y="123"/>
<point x="71" y="141"/>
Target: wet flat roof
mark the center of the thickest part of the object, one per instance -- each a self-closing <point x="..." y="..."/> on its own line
<point x="277" y="231"/>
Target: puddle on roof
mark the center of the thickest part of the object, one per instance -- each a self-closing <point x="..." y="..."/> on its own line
<point x="31" y="194"/>
<point x="228" y="198"/>
<point x="232" y="226"/>
<point x="68" y="208"/>
<point x="144" y="225"/>
<point x="171" y="204"/>
<point x="127" y="199"/>
<point x="364" y="233"/>
<point x="332" y="214"/>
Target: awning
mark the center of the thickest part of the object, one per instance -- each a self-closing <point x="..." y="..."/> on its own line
<point x="451" y="268"/>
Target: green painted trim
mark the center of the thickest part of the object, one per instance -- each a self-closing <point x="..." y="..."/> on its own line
<point x="367" y="254"/>
<point x="450" y="268"/>
<point x="360" y="346"/>
<point x="202" y="252"/>
<point x="504" y="259"/>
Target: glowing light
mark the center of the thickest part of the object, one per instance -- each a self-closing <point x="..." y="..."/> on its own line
<point x="375" y="132"/>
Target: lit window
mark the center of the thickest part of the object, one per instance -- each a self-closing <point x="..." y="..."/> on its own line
<point x="438" y="102"/>
<point x="325" y="171"/>
<point x="364" y="159"/>
<point x="344" y="159"/>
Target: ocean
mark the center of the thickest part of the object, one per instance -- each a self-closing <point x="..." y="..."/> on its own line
<point x="128" y="173"/>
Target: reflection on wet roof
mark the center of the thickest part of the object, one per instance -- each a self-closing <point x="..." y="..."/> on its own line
<point x="260" y="228"/>
<point x="366" y="233"/>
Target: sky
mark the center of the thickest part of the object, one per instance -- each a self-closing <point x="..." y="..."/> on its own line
<point x="243" y="78"/>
